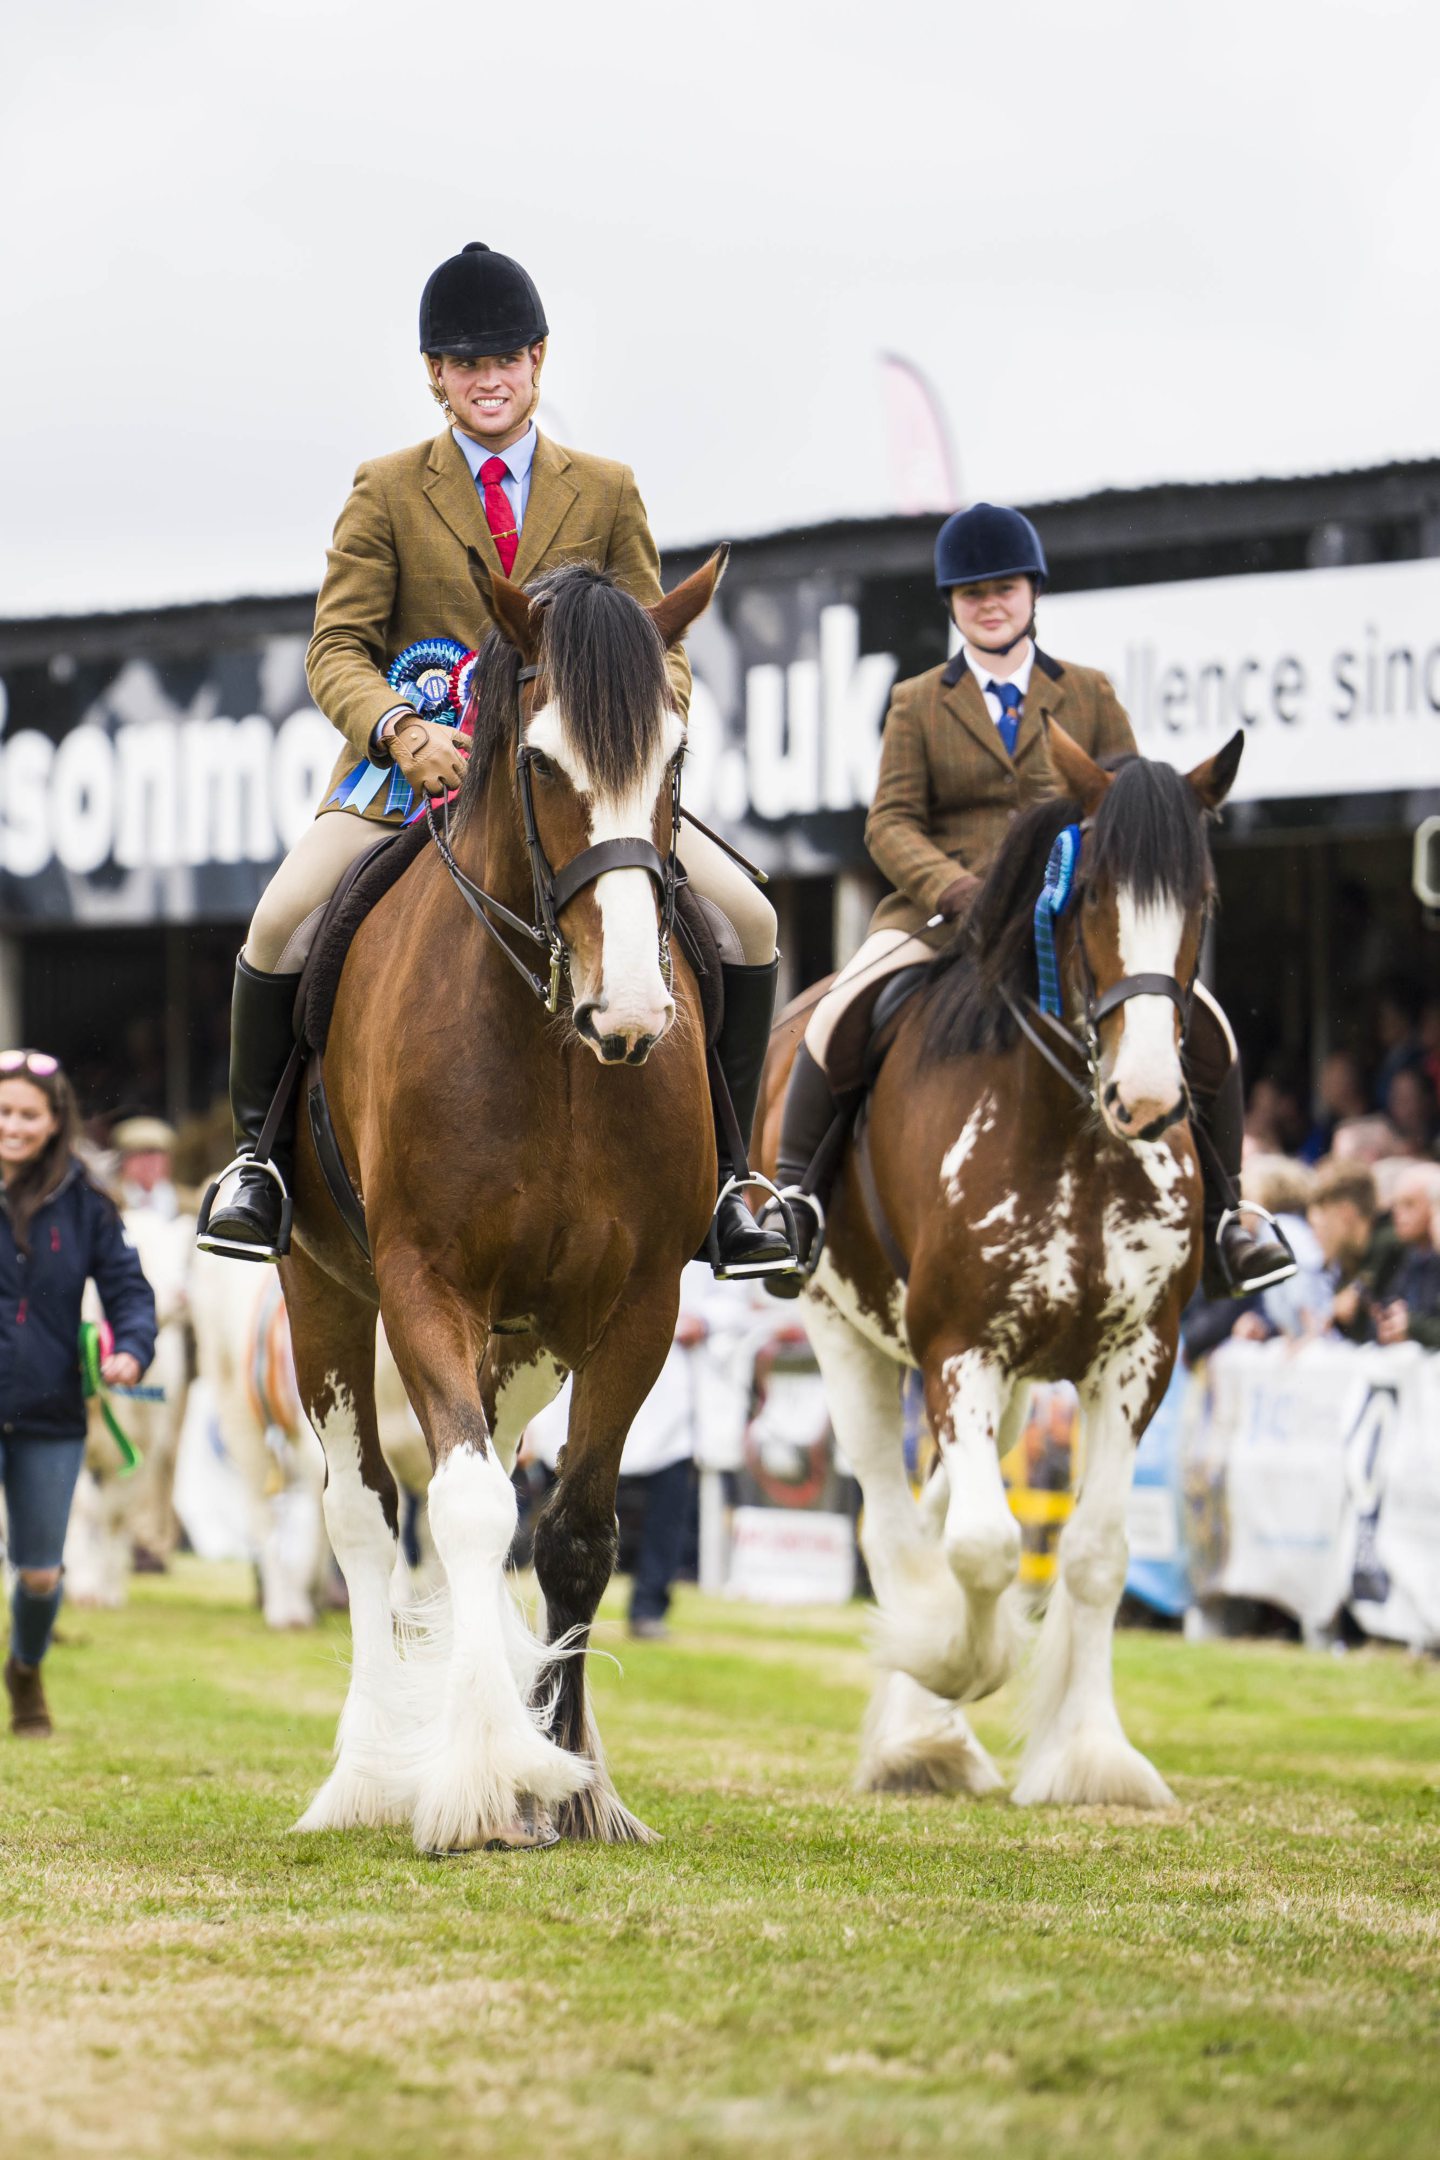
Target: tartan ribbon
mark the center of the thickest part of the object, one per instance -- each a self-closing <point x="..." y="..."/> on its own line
<point x="1055" y="896"/>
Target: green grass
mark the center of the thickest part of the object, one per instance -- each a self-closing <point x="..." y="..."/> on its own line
<point x="795" y="1971"/>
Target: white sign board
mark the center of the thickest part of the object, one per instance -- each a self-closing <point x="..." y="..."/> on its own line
<point x="1333" y="674"/>
<point x="791" y="1556"/>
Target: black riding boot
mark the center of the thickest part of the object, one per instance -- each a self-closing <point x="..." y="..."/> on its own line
<point x="808" y="1116"/>
<point x="1245" y="1250"/>
<point x="739" y="1245"/>
<point x="251" y="1221"/>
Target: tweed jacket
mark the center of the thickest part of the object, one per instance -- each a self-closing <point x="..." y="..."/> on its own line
<point x="398" y="569"/>
<point x="948" y="788"/>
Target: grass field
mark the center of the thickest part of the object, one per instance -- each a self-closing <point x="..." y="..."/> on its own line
<point x="795" y="1971"/>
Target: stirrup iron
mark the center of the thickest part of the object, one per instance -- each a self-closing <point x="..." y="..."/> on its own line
<point x="1263" y="1282"/>
<point x="238" y="1248"/>
<point x="759" y="1269"/>
<point x="788" y="1198"/>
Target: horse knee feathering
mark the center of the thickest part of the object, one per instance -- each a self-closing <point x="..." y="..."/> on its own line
<point x="532" y="1188"/>
<point x="1023" y="1203"/>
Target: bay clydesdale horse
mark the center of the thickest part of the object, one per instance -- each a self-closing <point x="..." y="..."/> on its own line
<point x="535" y="1176"/>
<point x="1040" y="1208"/>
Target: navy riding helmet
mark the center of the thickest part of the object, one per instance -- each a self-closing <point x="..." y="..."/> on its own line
<point x="480" y="302"/>
<point x="988" y="542"/>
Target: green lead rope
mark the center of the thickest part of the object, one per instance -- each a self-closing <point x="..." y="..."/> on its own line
<point x="93" y="1386"/>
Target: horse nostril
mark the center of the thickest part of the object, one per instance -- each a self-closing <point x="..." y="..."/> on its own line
<point x="640" y="1049"/>
<point x="1111" y="1093"/>
<point x="613" y="1048"/>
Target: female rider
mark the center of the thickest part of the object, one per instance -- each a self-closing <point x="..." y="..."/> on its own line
<point x="56" y="1230"/>
<point x="399" y="571"/>
<point x="966" y="750"/>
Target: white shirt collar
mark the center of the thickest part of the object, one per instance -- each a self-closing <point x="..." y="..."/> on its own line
<point x="979" y="667"/>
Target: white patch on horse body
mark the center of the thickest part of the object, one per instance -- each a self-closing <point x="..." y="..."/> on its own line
<point x="1147" y="1061"/>
<point x="632" y="990"/>
<point x="522" y="1394"/>
<point x="980" y="1120"/>
<point x="363" y="1787"/>
<point x="887" y="1332"/>
<point x="1004" y="1211"/>
<point x="1142" y="1253"/>
<point x="1045" y="1280"/>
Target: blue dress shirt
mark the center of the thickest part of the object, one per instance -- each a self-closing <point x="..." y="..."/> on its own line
<point x="518" y="459"/>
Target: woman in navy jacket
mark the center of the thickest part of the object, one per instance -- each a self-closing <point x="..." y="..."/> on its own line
<point x="56" y="1230"/>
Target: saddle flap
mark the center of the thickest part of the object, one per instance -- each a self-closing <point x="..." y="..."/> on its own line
<point x="363" y="882"/>
<point x="856" y="1050"/>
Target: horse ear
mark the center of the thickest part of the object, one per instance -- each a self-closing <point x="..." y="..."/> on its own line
<point x="1213" y="780"/>
<point x="509" y="608"/>
<point x="1079" y="774"/>
<point x="673" y="615"/>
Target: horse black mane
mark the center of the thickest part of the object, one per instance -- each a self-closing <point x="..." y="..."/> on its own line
<point x="1148" y="834"/>
<point x="602" y="662"/>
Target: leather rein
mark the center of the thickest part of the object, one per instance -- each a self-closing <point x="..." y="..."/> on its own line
<point x="553" y="890"/>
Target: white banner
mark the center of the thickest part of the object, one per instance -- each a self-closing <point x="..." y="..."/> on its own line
<point x="1333" y="674"/>
<point x="1312" y="1482"/>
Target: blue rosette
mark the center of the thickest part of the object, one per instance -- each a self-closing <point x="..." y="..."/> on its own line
<point x="422" y="676"/>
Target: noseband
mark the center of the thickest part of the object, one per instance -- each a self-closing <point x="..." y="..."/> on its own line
<point x="554" y="889"/>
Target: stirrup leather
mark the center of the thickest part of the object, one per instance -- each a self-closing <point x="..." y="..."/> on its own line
<point x="1261" y="1282"/>
<point x="238" y="1247"/>
<point x="747" y="1270"/>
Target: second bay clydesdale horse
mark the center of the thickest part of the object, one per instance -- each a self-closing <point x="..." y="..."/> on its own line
<point x="534" y="1179"/>
<point x="1030" y="1210"/>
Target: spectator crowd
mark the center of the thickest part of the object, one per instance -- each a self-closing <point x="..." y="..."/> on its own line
<point x="1356" y="1188"/>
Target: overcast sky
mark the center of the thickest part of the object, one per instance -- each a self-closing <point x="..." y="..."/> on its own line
<point x="1126" y="242"/>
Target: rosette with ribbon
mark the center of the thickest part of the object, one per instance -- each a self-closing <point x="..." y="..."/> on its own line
<point x="423" y="675"/>
<point x="1055" y="897"/>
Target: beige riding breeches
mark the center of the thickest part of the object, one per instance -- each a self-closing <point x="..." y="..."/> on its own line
<point x="883" y="953"/>
<point x="293" y="902"/>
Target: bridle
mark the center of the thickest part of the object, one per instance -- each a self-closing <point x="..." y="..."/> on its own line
<point x="1095" y="1007"/>
<point x="554" y="889"/>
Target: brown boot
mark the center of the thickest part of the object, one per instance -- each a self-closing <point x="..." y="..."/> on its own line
<point x="29" y="1716"/>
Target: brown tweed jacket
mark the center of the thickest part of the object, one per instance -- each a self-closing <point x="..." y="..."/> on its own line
<point x="948" y="789"/>
<point x="397" y="569"/>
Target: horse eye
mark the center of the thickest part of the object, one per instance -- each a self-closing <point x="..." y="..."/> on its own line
<point x="541" y="766"/>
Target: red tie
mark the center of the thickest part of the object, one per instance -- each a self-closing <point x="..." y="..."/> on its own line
<point x="498" y="514"/>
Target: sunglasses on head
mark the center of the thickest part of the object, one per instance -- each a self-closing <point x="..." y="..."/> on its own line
<point x="38" y="1062"/>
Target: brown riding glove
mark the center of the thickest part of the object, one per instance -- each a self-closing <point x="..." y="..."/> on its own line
<point x="430" y="756"/>
<point x="957" y="896"/>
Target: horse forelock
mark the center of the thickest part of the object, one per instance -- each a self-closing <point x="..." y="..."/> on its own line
<point x="602" y="669"/>
<point x="603" y="672"/>
<point x="1149" y="837"/>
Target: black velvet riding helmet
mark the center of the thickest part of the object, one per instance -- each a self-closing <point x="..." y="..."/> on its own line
<point x="480" y="303"/>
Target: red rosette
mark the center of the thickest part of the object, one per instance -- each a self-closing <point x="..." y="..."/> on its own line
<point x="462" y="685"/>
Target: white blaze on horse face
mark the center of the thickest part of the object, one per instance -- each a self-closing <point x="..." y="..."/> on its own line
<point x="1145" y="1076"/>
<point x="624" y="987"/>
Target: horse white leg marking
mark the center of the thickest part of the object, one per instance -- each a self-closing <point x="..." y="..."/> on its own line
<point x="981" y="1537"/>
<point x="919" y="1603"/>
<point x="485" y="1750"/>
<point x="914" y="1741"/>
<point x="362" y="1786"/>
<point x="1077" y="1751"/>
